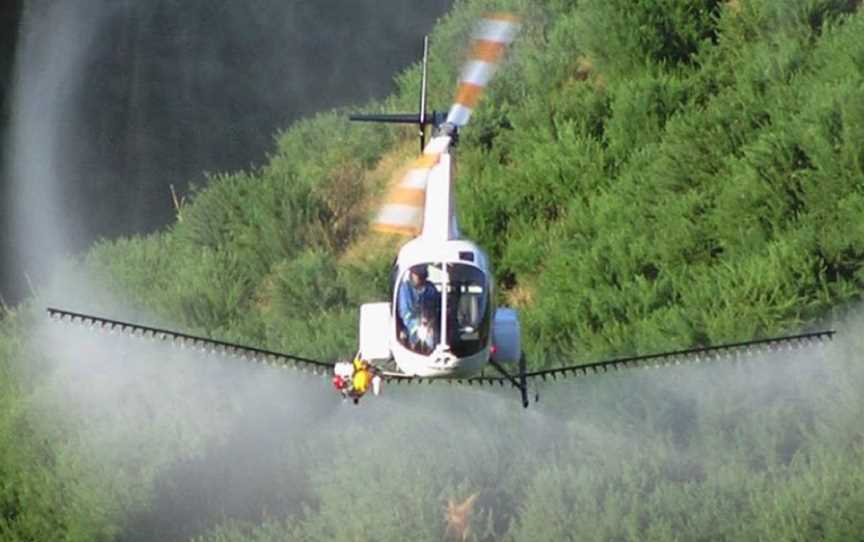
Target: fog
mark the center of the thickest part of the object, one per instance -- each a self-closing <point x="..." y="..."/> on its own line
<point x="215" y="438"/>
<point x="181" y="440"/>
<point x="113" y="101"/>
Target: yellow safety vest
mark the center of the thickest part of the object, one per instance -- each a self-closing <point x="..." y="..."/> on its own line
<point x="361" y="381"/>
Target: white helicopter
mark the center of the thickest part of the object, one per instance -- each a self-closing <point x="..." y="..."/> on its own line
<point x="440" y="323"/>
<point x="440" y="320"/>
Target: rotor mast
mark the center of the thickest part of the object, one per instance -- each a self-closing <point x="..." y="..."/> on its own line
<point x="422" y="119"/>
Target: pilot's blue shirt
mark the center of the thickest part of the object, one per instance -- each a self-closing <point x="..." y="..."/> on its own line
<point x="411" y="300"/>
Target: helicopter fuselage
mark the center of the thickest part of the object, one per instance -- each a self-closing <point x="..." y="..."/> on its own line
<point x="441" y="319"/>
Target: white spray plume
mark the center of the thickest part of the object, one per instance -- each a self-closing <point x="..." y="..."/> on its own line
<point x="48" y="80"/>
<point x="224" y="439"/>
<point x="176" y="441"/>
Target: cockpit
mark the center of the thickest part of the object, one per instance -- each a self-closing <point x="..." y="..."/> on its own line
<point x="421" y="302"/>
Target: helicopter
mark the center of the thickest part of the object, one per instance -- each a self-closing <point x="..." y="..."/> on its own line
<point x="440" y="320"/>
<point x="440" y="323"/>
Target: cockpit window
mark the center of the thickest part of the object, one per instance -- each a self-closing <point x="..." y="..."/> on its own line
<point x="468" y="309"/>
<point x="419" y="306"/>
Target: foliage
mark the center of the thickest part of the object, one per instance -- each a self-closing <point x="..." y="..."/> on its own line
<point x="646" y="176"/>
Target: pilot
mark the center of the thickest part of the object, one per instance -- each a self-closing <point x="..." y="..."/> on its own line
<point x="418" y="302"/>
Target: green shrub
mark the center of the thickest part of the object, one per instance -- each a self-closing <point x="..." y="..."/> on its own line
<point x="646" y="176"/>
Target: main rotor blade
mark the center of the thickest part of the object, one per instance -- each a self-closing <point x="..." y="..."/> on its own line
<point x="183" y="340"/>
<point x="738" y="350"/>
<point x="491" y="38"/>
<point x="405" y="204"/>
<point x="403" y="209"/>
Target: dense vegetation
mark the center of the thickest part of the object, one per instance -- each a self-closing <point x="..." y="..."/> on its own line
<point x="169" y="89"/>
<point x="647" y="175"/>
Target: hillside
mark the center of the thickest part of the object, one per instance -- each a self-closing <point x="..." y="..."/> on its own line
<point x="631" y="206"/>
<point x="646" y="175"/>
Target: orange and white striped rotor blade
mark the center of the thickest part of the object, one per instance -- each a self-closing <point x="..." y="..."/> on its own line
<point x="405" y="204"/>
<point x="491" y="38"/>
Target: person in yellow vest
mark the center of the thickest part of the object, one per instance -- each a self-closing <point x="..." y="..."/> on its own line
<point x="362" y="379"/>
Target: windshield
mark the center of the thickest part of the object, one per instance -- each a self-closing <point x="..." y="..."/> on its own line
<point x="419" y="307"/>
<point x="468" y="310"/>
